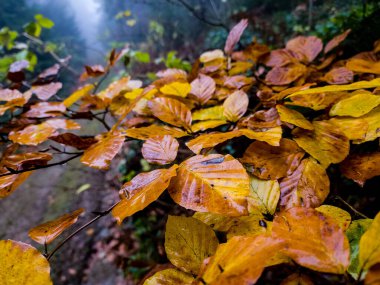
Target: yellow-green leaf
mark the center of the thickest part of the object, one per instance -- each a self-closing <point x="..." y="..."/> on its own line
<point x="170" y="276"/>
<point x="180" y="89"/>
<point x="77" y="95"/>
<point x="264" y="195"/>
<point x="356" y="105"/>
<point x="342" y="217"/>
<point x="369" y="246"/>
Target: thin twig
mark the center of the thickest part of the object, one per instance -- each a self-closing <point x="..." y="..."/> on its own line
<point x="351" y="208"/>
<point x="12" y="172"/>
<point x="97" y="85"/>
<point x="99" y="215"/>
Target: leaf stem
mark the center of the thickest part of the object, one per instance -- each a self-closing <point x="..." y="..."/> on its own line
<point x="351" y="208"/>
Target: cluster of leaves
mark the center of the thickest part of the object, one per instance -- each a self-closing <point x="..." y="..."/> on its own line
<point x="302" y="108"/>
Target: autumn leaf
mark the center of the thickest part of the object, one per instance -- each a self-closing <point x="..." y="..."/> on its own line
<point x="145" y="133"/>
<point x="170" y="276"/>
<point x="293" y="117"/>
<point x="369" y="246"/>
<point x="171" y="111"/>
<point x="78" y="94"/>
<point x="317" y="101"/>
<point x="326" y="143"/>
<point x="188" y="242"/>
<point x="100" y="154"/>
<point x="9" y="183"/>
<point x="115" y="88"/>
<point x="49" y="231"/>
<point x="355" y="106"/>
<point x="341" y="217"/>
<point x="372" y="277"/>
<point x="205" y="125"/>
<point x="74" y="140"/>
<point x="212" y="183"/>
<point x="339" y="75"/>
<point x="235" y="105"/>
<point x="45" y="109"/>
<point x="142" y="190"/>
<point x="44" y="92"/>
<point x="176" y="88"/>
<point x="24" y="161"/>
<point x="212" y="113"/>
<point x="318" y="244"/>
<point x="160" y="149"/>
<point x="234" y="35"/>
<point x="279" y="57"/>
<point x="217" y="222"/>
<point x="264" y="196"/>
<point x="307" y="186"/>
<point x="335" y="41"/>
<point x="241" y="260"/>
<point x="271" y="162"/>
<point x="297" y="279"/>
<point x="21" y="263"/>
<point x="203" y="87"/>
<point x="210" y="140"/>
<point x="306" y="49"/>
<point x="361" y="167"/>
<point x="271" y="136"/>
<point x="285" y="75"/>
<point x="211" y="55"/>
<point x="252" y="225"/>
<point x="359" y="65"/>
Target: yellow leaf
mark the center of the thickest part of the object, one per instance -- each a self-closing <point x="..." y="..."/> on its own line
<point x="176" y="88"/>
<point x="271" y="136"/>
<point x="212" y="183"/>
<point x="369" y="247"/>
<point x="77" y="95"/>
<point x="335" y="88"/>
<point x="363" y="66"/>
<point x="145" y="133"/>
<point x="170" y="276"/>
<point x="211" y="55"/>
<point x="326" y="143"/>
<point x="217" y="222"/>
<point x="213" y="113"/>
<point x="134" y="94"/>
<point x="142" y="190"/>
<point x="341" y="217"/>
<point x="264" y="195"/>
<point x="252" y="225"/>
<point x="373" y="121"/>
<point x="21" y="263"/>
<point x="317" y="101"/>
<point x="49" y="231"/>
<point x="210" y="140"/>
<point x="188" y="242"/>
<point x="205" y="125"/>
<point x="356" y="105"/>
<point x="293" y="117"/>
<point x="353" y="128"/>
<point x="235" y="105"/>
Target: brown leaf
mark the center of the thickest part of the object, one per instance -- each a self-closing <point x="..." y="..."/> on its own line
<point x="340" y="75"/>
<point x="203" y="87"/>
<point x="100" y="154"/>
<point x="313" y="240"/>
<point x="210" y="140"/>
<point x="235" y="105"/>
<point x="142" y="190"/>
<point x="45" y="110"/>
<point x="335" y="41"/>
<point x="234" y="35"/>
<point x="361" y="167"/>
<point x="308" y="186"/>
<point x="262" y="120"/>
<point x="73" y="140"/>
<point x="25" y="160"/>
<point x="297" y="279"/>
<point x="44" y="92"/>
<point x="160" y="149"/>
<point x="145" y="133"/>
<point x="49" y="231"/>
<point x="10" y="183"/>
<point x="212" y="183"/>
<point x="306" y="49"/>
<point x="279" y="57"/>
<point x="326" y="143"/>
<point x="285" y="75"/>
<point x="293" y="117"/>
<point x="270" y="162"/>
<point x="171" y="111"/>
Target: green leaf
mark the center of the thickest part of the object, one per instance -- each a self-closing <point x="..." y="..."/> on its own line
<point x="143" y="57"/>
<point x="7" y="37"/>
<point x="43" y="21"/>
<point x="34" y="29"/>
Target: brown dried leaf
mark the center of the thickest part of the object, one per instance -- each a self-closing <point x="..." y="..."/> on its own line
<point x="235" y="105"/>
<point x="306" y="49"/>
<point x="285" y="75"/>
<point x="234" y="35"/>
<point x="160" y="149"/>
<point x="335" y="41"/>
<point x="74" y="140"/>
<point x="340" y="75"/>
<point x="203" y="87"/>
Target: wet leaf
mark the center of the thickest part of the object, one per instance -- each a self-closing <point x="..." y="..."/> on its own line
<point x="306" y="49"/>
<point x="241" y="260"/>
<point x="9" y="183"/>
<point x="326" y="143"/>
<point x="369" y="246"/>
<point x="45" y="110"/>
<point x="285" y="75"/>
<point x="212" y="183"/>
<point x="217" y="222"/>
<point x="188" y="242"/>
<point x="170" y="276"/>
<point x="341" y="217"/>
<point x="24" y="161"/>
<point x="21" y="263"/>
<point x="264" y="195"/>
<point x="203" y="87"/>
<point x="212" y="113"/>
<point x="145" y="133"/>
<point x="205" y="125"/>
<point x="340" y="75"/>
<point x="270" y="162"/>
<point x="180" y="89"/>
<point x="74" y="140"/>
<point x="142" y="190"/>
<point x="235" y="105"/>
<point x="271" y="136"/>
<point x="293" y="117"/>
<point x="335" y="41"/>
<point x="100" y="154"/>
<point x="234" y="35"/>
<point x="49" y="231"/>
<point x="252" y="225"/>
<point x="356" y="105"/>
<point x="210" y="140"/>
<point x="78" y="94"/>
<point x="171" y="111"/>
<point x="160" y="149"/>
<point x="114" y="89"/>
<point x="325" y="249"/>
<point x="308" y="186"/>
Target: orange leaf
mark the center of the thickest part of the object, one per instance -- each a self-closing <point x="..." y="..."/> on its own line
<point x="145" y="133"/>
<point x="308" y="186"/>
<point x="45" y="109"/>
<point x="142" y="190"/>
<point x="270" y="162"/>
<point x="10" y="183"/>
<point x="241" y="260"/>
<point x="363" y="66"/>
<point x="271" y="136"/>
<point x="326" y="143"/>
<point x="313" y="240"/>
<point x="234" y="35"/>
<point x="160" y="149"/>
<point x="293" y="117"/>
<point x="21" y="263"/>
<point x="49" y="231"/>
<point x="235" y="105"/>
<point x="340" y="75"/>
<point x="171" y="111"/>
<point x="25" y="160"/>
<point x="100" y="154"/>
<point x="306" y="49"/>
<point x="335" y="41"/>
<point x="361" y="167"/>
<point x="285" y="75"/>
<point x="210" y="140"/>
<point x="212" y="183"/>
<point x="203" y="87"/>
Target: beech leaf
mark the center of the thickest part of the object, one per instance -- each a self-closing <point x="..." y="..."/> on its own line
<point x="160" y="149"/>
<point x="170" y="276"/>
<point x="234" y="35"/>
<point x="235" y="105"/>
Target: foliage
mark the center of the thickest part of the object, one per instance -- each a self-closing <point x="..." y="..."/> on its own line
<point x="301" y="117"/>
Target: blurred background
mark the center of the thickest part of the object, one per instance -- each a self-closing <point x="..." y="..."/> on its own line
<point x="159" y="34"/>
